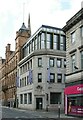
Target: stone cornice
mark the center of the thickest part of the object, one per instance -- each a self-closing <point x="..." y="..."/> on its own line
<point x="43" y="52"/>
<point x="74" y="20"/>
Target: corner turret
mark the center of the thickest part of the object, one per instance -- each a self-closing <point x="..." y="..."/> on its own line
<point x="22" y="35"/>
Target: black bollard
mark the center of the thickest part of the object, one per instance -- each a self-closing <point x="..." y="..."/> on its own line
<point x="47" y="108"/>
<point x="58" y="110"/>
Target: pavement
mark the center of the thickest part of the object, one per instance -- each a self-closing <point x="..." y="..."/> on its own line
<point x="44" y="114"/>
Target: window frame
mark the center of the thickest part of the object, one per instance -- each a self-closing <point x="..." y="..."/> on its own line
<point x="39" y="65"/>
<point x="52" y="80"/>
<point x="55" y="97"/>
<point x="51" y="65"/>
<point x="48" y="40"/>
<point x="21" y="98"/>
<point x="30" y="98"/>
<point x="73" y="37"/>
<point x="62" y="39"/>
<point x="59" y="59"/>
<point x="39" y="77"/>
<point x="59" y="80"/>
<point x="25" y="98"/>
<point x="55" y="41"/>
<point x="43" y="40"/>
<point x="73" y="63"/>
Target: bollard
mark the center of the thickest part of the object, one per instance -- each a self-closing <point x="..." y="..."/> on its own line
<point x="47" y="108"/>
<point x="40" y="105"/>
<point x="58" y="110"/>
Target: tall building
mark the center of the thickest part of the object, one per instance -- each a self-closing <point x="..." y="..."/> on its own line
<point x="41" y="71"/>
<point x="74" y="70"/>
<point x="8" y="66"/>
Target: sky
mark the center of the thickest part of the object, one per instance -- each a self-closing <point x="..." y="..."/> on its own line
<point x="42" y="12"/>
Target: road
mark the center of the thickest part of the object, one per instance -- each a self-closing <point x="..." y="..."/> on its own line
<point x="19" y="113"/>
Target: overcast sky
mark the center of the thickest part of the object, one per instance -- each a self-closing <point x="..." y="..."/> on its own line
<point x="48" y="12"/>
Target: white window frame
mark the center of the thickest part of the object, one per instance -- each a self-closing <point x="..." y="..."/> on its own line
<point x="73" y="62"/>
<point x="73" y="37"/>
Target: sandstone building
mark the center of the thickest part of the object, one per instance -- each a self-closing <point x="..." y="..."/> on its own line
<point x="8" y="66"/>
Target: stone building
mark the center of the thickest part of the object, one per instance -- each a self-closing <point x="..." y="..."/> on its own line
<point x="74" y="69"/>
<point x="41" y="71"/>
<point x="8" y="66"/>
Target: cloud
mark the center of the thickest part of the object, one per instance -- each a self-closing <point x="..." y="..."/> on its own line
<point x="52" y="12"/>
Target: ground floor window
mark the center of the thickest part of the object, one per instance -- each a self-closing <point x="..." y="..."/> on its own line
<point x="25" y="98"/>
<point x="76" y="100"/>
<point x="29" y="98"/>
<point x="55" y="98"/>
<point x="74" y="105"/>
<point x="21" y="99"/>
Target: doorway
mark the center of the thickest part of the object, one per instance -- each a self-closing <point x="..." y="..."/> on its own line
<point x="39" y="103"/>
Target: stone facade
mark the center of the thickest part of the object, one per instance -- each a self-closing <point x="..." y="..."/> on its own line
<point x="74" y="70"/>
<point x="74" y="25"/>
<point x="41" y="55"/>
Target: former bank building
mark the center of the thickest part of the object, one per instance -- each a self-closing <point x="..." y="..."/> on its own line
<point x="41" y="70"/>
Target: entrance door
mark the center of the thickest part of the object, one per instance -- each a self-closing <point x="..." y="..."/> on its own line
<point x="39" y="103"/>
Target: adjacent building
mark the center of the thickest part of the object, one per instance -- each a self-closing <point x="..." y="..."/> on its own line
<point x="41" y="70"/>
<point x="74" y="61"/>
<point x="8" y="67"/>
